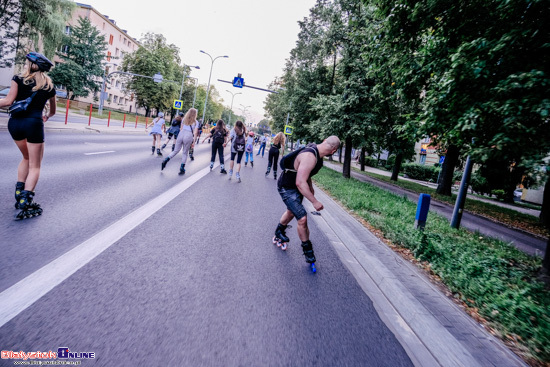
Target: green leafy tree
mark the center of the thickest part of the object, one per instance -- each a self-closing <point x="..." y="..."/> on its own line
<point x="81" y="68"/>
<point x="154" y="56"/>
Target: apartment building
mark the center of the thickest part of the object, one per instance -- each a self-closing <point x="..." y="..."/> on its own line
<point x="119" y="43"/>
<point x="426" y="153"/>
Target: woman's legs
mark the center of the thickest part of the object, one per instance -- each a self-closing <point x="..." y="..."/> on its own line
<point x="29" y="168"/>
<point x="187" y="140"/>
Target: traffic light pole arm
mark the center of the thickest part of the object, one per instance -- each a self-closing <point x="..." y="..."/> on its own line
<point x="249" y="86"/>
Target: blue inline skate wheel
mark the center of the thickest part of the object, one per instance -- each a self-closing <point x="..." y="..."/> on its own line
<point x="313" y="268"/>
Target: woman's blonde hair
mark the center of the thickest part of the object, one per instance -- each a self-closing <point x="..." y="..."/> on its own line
<point x="190" y="117"/>
<point x="33" y="74"/>
<point x="279" y="139"/>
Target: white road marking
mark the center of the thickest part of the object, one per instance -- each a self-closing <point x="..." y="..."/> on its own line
<point x="21" y="295"/>
<point x="105" y="152"/>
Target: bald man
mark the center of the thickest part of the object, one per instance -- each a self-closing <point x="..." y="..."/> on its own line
<point x="295" y="184"/>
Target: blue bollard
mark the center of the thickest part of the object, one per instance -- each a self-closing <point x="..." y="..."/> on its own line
<point x="422" y="211"/>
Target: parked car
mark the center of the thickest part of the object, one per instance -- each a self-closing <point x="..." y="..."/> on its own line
<point x="518" y="193"/>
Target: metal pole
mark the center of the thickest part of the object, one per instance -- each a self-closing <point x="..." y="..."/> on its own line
<point x="196" y="86"/>
<point x="462" y="192"/>
<point x="208" y="87"/>
<point x="231" y="109"/>
<point x="101" y="95"/>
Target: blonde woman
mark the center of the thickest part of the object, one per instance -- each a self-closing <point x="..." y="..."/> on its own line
<point x="27" y="127"/>
<point x="273" y="157"/>
<point x="189" y="131"/>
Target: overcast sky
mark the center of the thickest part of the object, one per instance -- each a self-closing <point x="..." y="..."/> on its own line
<point x="257" y="35"/>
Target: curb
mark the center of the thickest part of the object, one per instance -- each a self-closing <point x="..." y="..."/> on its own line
<point x="427" y="339"/>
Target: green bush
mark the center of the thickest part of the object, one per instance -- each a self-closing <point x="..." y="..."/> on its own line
<point x="500" y="194"/>
<point x="370" y="162"/>
<point x="390" y="162"/>
<point x="480" y="184"/>
<point x="420" y="172"/>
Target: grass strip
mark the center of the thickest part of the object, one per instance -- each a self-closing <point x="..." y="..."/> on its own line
<point x="497" y="213"/>
<point x="491" y="277"/>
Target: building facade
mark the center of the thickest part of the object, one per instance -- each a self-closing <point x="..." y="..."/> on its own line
<point x="119" y="43"/>
<point x="426" y="153"/>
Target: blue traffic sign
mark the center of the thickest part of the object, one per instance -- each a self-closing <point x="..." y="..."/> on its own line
<point x="238" y="82"/>
<point x="178" y="105"/>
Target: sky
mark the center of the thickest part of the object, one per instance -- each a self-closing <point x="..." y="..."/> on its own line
<point x="257" y="35"/>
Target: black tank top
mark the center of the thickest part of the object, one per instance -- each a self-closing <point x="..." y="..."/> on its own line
<point x="288" y="179"/>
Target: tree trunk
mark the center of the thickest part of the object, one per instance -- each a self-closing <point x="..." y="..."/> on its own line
<point x="362" y="159"/>
<point x="515" y="178"/>
<point x="347" y="159"/>
<point x="397" y="166"/>
<point x="340" y="154"/>
<point x="546" y="261"/>
<point x="447" y="171"/>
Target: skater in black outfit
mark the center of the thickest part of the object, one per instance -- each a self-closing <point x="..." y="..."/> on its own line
<point x="295" y="183"/>
<point x="273" y="155"/>
<point x="219" y="141"/>
<point x="27" y="127"/>
<point x="174" y="130"/>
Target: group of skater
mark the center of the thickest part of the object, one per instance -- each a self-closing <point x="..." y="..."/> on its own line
<point x="30" y="91"/>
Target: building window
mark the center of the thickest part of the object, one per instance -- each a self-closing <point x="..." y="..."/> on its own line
<point x="115" y="99"/>
<point x="111" y="39"/>
<point x="125" y="42"/>
<point x="109" y="55"/>
<point x="116" y="51"/>
<point x="103" y="25"/>
<point x="423" y="159"/>
<point x="110" y="97"/>
<point x="67" y="29"/>
<point x="118" y="83"/>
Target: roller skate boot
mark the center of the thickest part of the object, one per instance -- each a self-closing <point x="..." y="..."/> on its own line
<point x="159" y="152"/>
<point x="182" y="169"/>
<point x="274" y="175"/>
<point x="28" y="207"/>
<point x="173" y="147"/>
<point x="152" y="150"/>
<point x="251" y="163"/>
<point x="267" y="172"/>
<point x="238" y="177"/>
<point x="164" y="162"/>
<point x="230" y="174"/>
<point x="211" y="166"/>
<point x="308" y="253"/>
<point x="19" y="186"/>
<point x="280" y="239"/>
<point x="163" y="146"/>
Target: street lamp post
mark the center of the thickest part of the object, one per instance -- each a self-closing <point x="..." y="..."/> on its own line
<point x="243" y="110"/>
<point x="231" y="109"/>
<point x="208" y="87"/>
<point x="183" y="79"/>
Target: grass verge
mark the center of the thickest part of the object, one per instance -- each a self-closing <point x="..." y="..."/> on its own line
<point x="497" y="213"/>
<point x="493" y="279"/>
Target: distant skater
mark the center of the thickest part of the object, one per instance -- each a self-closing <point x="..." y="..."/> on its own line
<point x="218" y="134"/>
<point x="156" y="131"/>
<point x="173" y="131"/>
<point x="186" y="139"/>
<point x="273" y="154"/>
<point x="238" y="142"/>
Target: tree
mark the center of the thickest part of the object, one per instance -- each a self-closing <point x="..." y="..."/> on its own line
<point x="32" y="25"/>
<point x="81" y="69"/>
<point x="154" y="56"/>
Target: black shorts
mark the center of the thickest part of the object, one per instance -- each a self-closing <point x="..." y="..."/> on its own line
<point x="239" y="156"/>
<point x="30" y="128"/>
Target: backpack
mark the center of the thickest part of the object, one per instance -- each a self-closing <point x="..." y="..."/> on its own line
<point x="239" y="143"/>
<point x="249" y="148"/>
<point x="290" y="157"/>
<point x="219" y="136"/>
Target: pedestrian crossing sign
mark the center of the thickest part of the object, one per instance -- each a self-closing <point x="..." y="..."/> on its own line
<point x="238" y="81"/>
<point x="288" y="130"/>
<point x="178" y="105"/>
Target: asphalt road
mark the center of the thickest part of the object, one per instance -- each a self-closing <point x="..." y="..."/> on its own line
<point x="197" y="283"/>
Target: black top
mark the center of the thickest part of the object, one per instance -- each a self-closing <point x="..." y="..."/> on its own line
<point x="176" y="123"/>
<point x="39" y="100"/>
<point x="288" y="179"/>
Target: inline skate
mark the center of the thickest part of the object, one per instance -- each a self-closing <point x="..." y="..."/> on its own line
<point x="28" y="207"/>
<point x="19" y="186"/>
<point x="308" y="253"/>
<point x="280" y="239"/>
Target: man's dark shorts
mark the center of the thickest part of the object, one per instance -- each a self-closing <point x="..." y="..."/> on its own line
<point x="293" y="199"/>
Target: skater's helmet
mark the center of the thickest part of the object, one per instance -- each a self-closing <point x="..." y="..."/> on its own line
<point x="251" y="133"/>
<point x="160" y="114"/>
<point x="40" y="60"/>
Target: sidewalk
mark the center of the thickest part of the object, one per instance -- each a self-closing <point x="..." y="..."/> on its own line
<point x="72" y="126"/>
<point x="433" y="330"/>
